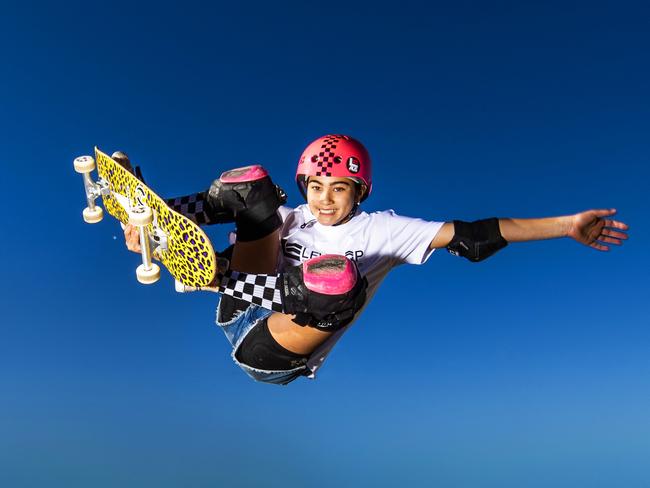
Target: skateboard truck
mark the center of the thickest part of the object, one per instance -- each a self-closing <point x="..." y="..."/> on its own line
<point x="92" y="213"/>
<point x="148" y="272"/>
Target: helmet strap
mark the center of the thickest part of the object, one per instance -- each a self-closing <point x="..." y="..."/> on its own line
<point x="350" y="215"/>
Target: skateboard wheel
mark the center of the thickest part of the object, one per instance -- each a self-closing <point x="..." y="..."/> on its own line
<point x="92" y="216"/>
<point x="148" y="276"/>
<point x="140" y="216"/>
<point x="84" y="164"/>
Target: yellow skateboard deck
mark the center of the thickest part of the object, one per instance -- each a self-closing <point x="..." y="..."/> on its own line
<point x="177" y="242"/>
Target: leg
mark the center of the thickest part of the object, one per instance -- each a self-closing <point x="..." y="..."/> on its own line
<point x="323" y="293"/>
<point x="258" y="256"/>
<point x="251" y="199"/>
<point x="261" y="256"/>
<point x="293" y="337"/>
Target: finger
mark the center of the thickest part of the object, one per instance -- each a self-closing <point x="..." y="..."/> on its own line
<point x="598" y="246"/>
<point x="128" y="231"/>
<point x="616" y="224"/>
<point x="613" y="233"/>
<point x="132" y="238"/>
<point x="610" y="240"/>
<point x="605" y="212"/>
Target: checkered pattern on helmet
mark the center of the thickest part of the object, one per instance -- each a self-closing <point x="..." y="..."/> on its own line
<point x="326" y="156"/>
<point x="259" y="289"/>
<point x="192" y="207"/>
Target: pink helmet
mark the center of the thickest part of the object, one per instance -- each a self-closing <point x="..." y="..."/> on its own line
<point x="335" y="155"/>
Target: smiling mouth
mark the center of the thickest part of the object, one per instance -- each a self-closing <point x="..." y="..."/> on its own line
<point x="326" y="212"/>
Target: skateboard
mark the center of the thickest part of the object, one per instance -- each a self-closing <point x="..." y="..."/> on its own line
<point x="177" y="242"/>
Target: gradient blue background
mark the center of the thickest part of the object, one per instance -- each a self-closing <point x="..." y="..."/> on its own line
<point x="530" y="369"/>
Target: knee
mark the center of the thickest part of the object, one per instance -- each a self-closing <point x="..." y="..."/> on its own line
<point x="324" y="292"/>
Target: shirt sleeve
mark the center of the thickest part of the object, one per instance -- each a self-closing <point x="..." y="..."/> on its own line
<point x="284" y="212"/>
<point x="410" y="238"/>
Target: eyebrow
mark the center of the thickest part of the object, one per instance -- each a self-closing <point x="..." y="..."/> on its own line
<point x="344" y="182"/>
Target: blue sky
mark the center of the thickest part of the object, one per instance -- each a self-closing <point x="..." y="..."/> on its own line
<point x="530" y="369"/>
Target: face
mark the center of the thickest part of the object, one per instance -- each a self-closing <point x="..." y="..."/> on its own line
<point x="330" y="199"/>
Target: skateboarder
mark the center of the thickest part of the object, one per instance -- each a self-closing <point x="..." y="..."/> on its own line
<point x="334" y="174"/>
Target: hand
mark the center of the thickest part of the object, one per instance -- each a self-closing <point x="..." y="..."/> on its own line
<point x="132" y="238"/>
<point x="591" y="228"/>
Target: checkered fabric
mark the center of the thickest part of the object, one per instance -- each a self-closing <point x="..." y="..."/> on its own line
<point x="192" y="206"/>
<point x="259" y="289"/>
<point x="326" y="156"/>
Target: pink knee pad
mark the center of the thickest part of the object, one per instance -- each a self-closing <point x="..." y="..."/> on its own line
<point x="324" y="292"/>
<point x="244" y="174"/>
<point x="249" y="198"/>
<point x="329" y="274"/>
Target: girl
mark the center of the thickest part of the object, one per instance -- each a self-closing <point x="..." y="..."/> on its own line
<point x="334" y="174"/>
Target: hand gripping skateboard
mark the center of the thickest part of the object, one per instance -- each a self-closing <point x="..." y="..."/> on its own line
<point x="180" y="245"/>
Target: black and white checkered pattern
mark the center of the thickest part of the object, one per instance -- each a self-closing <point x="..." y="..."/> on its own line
<point x="326" y="156"/>
<point x="259" y="289"/>
<point x="191" y="206"/>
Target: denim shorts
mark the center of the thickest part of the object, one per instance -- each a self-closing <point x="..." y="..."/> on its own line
<point x="237" y="329"/>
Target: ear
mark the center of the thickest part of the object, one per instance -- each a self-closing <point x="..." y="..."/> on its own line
<point x="363" y="189"/>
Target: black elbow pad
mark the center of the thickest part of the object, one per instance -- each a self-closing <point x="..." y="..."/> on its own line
<point x="476" y="240"/>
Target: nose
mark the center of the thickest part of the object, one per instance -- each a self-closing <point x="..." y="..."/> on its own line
<point x="326" y="195"/>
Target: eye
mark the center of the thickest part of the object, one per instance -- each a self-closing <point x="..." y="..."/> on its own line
<point x="314" y="159"/>
<point x="338" y="160"/>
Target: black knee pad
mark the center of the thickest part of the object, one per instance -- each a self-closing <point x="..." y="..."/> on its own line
<point x="260" y="350"/>
<point x="324" y="292"/>
<point x="251" y="199"/>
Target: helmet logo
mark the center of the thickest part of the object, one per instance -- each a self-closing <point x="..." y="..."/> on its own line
<point x="353" y="165"/>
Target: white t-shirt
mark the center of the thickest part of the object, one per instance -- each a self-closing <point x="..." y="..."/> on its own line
<point x="378" y="242"/>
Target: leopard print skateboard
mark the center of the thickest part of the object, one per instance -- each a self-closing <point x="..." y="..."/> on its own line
<point x="180" y="245"/>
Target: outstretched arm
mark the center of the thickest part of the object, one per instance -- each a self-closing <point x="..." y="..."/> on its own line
<point x="592" y="228"/>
